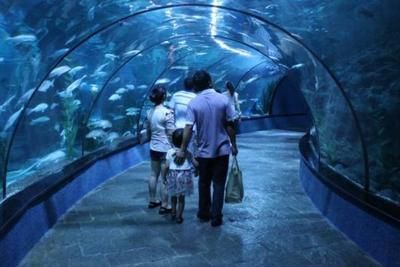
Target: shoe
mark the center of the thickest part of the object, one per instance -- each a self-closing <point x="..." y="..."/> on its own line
<point x="216" y="222"/>
<point x="164" y="210"/>
<point x="179" y="220"/>
<point x="203" y="218"/>
<point x="153" y="205"/>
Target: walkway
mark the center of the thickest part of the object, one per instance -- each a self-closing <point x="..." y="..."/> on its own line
<point x="276" y="225"/>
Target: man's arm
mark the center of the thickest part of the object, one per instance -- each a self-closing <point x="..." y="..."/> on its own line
<point x="230" y="129"/>
<point x="187" y="135"/>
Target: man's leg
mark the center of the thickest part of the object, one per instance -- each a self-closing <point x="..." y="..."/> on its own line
<point x="220" y="170"/>
<point x="205" y="176"/>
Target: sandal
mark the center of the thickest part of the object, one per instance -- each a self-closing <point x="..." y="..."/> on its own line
<point x="153" y="205"/>
<point x="164" y="210"/>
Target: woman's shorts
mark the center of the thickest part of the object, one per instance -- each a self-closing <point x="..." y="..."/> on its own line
<point x="157" y="155"/>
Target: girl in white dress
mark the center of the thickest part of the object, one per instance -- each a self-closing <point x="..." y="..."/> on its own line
<point x="179" y="178"/>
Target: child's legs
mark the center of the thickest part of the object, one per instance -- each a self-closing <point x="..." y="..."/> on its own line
<point x="174" y="201"/>
<point x="181" y="205"/>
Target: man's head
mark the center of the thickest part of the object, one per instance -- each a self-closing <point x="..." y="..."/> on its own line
<point x="201" y="80"/>
<point x="188" y="83"/>
<point x="157" y="94"/>
<point x="231" y="88"/>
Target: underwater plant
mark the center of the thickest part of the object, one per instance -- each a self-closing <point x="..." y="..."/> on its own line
<point x="69" y="107"/>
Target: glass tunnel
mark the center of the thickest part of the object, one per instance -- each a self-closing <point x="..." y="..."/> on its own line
<point x="75" y="76"/>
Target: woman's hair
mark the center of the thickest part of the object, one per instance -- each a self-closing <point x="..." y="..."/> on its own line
<point x="201" y="80"/>
<point x="229" y="85"/>
<point x="177" y="137"/>
<point x="157" y="94"/>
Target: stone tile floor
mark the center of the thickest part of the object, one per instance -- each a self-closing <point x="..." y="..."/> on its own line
<point x="276" y="225"/>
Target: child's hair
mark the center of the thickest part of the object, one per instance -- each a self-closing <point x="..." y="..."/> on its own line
<point x="157" y="94"/>
<point x="177" y="137"/>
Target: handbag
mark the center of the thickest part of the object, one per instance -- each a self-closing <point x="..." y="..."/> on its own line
<point x="234" y="188"/>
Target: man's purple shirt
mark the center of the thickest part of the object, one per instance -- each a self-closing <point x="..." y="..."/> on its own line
<point x="210" y="111"/>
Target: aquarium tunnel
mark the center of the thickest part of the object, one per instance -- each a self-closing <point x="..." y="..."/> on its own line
<point x="75" y="79"/>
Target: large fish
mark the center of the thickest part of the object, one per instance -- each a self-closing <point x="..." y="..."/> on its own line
<point x="114" y="97"/>
<point x="162" y="81"/>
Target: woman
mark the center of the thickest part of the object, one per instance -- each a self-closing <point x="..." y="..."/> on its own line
<point x="160" y="122"/>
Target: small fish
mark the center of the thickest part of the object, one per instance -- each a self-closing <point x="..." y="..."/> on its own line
<point x="76" y="102"/>
<point x="201" y="53"/>
<point x="179" y="68"/>
<point x="6" y="103"/>
<point x="297" y="66"/>
<point x="39" y="120"/>
<point x="12" y="119"/>
<point x="22" y="38"/>
<point x="101" y="67"/>
<point x="46" y="85"/>
<point x="131" y="53"/>
<point x="112" y="136"/>
<point x="114" y="97"/>
<point x="161" y="81"/>
<point x="130" y="86"/>
<point x="75" y="84"/>
<point x="76" y="69"/>
<point x="104" y="124"/>
<point x="121" y="91"/>
<point x="117" y="79"/>
<point x="70" y="40"/>
<point x="143" y="86"/>
<point x="59" y="71"/>
<point x="25" y="96"/>
<point x="53" y="106"/>
<point x="39" y="108"/>
<point x="96" y="134"/>
<point x="132" y="111"/>
<point x="127" y="133"/>
<point x="94" y="88"/>
<point x="59" y="52"/>
<point x="174" y="81"/>
<point x="111" y="56"/>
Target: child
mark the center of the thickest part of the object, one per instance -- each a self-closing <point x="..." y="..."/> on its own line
<point x="179" y="178"/>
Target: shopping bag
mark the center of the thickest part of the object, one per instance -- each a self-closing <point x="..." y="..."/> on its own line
<point x="234" y="187"/>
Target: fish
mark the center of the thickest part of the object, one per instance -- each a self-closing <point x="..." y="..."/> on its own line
<point x="201" y="53"/>
<point x="75" y="84"/>
<point x="53" y="106"/>
<point x="111" y="56"/>
<point x="118" y="117"/>
<point x="297" y="66"/>
<point x="252" y="79"/>
<point x="59" y="71"/>
<point x="94" y="88"/>
<point x="164" y="80"/>
<point x="10" y="122"/>
<point x="117" y="79"/>
<point x="143" y="86"/>
<point x="70" y="40"/>
<point x="179" y="68"/>
<point x="127" y="133"/>
<point x="46" y="85"/>
<point x="76" y="69"/>
<point x="132" y="111"/>
<point x="104" y="124"/>
<point x="59" y="52"/>
<point x="101" y="67"/>
<point x="22" y="38"/>
<point x="39" y="120"/>
<point x="6" y="103"/>
<point x="114" y="97"/>
<point x="39" y="108"/>
<point x="25" y="96"/>
<point x="51" y="158"/>
<point x="96" y="134"/>
<point x="112" y="136"/>
<point x="130" y="86"/>
<point x="174" y="81"/>
<point x="121" y="91"/>
<point x="131" y="53"/>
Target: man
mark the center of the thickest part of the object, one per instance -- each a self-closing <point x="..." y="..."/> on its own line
<point x="179" y="102"/>
<point x="213" y="117"/>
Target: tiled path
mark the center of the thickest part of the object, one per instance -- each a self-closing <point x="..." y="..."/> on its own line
<point x="276" y="225"/>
